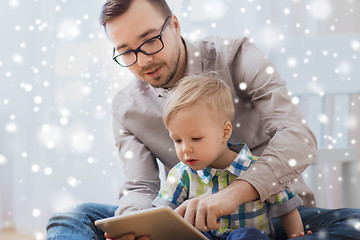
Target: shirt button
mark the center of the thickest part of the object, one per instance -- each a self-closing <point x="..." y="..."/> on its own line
<point x="222" y="179"/>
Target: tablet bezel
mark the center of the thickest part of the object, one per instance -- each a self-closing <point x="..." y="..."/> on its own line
<point x="159" y="223"/>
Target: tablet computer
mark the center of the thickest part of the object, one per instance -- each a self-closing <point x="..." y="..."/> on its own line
<point x="160" y="223"/>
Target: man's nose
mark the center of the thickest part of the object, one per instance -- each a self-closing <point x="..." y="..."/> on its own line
<point x="143" y="59"/>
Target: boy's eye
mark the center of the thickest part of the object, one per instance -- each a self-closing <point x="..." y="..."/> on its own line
<point x="196" y="139"/>
<point x="177" y="140"/>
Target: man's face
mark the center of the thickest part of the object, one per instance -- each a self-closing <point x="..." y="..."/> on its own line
<point x="137" y="25"/>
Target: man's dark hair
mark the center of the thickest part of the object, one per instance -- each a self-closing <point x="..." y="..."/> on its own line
<point x="114" y="8"/>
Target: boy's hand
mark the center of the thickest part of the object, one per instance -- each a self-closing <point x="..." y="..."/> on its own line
<point x="202" y="212"/>
<point x="302" y="234"/>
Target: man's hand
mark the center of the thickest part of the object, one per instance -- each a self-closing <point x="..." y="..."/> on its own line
<point x="127" y="237"/>
<point x="203" y="212"/>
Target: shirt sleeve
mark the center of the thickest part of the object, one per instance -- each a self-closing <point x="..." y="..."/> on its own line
<point x="283" y="202"/>
<point x="175" y="189"/>
<point x="140" y="168"/>
<point x="292" y="145"/>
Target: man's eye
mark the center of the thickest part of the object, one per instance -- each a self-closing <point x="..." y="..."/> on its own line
<point x="151" y="40"/>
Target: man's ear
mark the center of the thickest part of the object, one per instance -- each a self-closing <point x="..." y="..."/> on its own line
<point x="227" y="131"/>
<point x="176" y="24"/>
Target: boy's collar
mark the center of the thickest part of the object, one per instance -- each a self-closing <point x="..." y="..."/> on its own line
<point x="240" y="164"/>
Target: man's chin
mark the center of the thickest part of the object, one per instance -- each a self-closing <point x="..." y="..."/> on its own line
<point x="161" y="84"/>
<point x="160" y="81"/>
<point x="156" y="84"/>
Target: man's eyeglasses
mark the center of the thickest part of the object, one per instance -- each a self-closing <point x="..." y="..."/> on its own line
<point x="149" y="47"/>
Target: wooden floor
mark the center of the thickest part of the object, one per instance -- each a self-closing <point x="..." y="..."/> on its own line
<point x="10" y="234"/>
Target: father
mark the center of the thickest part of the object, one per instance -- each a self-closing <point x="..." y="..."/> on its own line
<point x="147" y="40"/>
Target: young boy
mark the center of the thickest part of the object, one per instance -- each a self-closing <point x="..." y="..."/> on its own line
<point x="199" y="117"/>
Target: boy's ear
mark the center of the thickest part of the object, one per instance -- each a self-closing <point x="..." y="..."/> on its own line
<point x="227" y="131"/>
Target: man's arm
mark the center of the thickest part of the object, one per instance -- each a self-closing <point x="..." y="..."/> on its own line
<point x="292" y="145"/>
<point x="203" y="212"/>
<point x="140" y="168"/>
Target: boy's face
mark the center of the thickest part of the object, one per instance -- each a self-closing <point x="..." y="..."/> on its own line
<point x="137" y="25"/>
<point x="199" y="137"/>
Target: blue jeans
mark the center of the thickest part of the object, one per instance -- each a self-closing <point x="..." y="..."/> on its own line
<point x="243" y="234"/>
<point x="334" y="224"/>
<point x="78" y="223"/>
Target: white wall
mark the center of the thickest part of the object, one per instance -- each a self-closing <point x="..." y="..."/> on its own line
<point x="57" y="80"/>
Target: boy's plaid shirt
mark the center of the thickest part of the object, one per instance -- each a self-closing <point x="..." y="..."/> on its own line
<point x="184" y="183"/>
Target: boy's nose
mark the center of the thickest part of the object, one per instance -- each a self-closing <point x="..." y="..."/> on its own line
<point x="187" y="148"/>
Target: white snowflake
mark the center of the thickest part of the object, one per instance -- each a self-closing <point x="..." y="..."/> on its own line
<point x="36" y="212"/>
<point x="320" y="9"/>
<point x="129" y="154"/>
<point x="73" y="182"/>
<point x="292" y="162"/>
<point x="3" y="160"/>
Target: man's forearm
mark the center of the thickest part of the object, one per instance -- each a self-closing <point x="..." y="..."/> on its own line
<point x="139" y="196"/>
<point x="206" y="209"/>
<point x="241" y="191"/>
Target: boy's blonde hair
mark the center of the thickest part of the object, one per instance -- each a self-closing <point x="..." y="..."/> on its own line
<point x="200" y="88"/>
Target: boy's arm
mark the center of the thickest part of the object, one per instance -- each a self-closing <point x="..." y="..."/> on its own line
<point x="292" y="223"/>
<point x="176" y="188"/>
<point x="284" y="205"/>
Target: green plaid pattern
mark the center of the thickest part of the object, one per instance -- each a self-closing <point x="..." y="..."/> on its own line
<point x="185" y="183"/>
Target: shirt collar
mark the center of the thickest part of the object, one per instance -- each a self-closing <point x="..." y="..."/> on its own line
<point x="194" y="58"/>
<point x="161" y="92"/>
<point x="240" y="164"/>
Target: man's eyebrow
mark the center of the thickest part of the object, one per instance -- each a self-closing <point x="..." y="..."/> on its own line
<point x="120" y="47"/>
<point x="141" y="36"/>
<point x="147" y="33"/>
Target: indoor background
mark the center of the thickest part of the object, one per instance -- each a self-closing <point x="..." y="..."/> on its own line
<point x="57" y="81"/>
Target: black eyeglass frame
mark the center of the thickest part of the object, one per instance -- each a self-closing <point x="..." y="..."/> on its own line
<point x="137" y="50"/>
